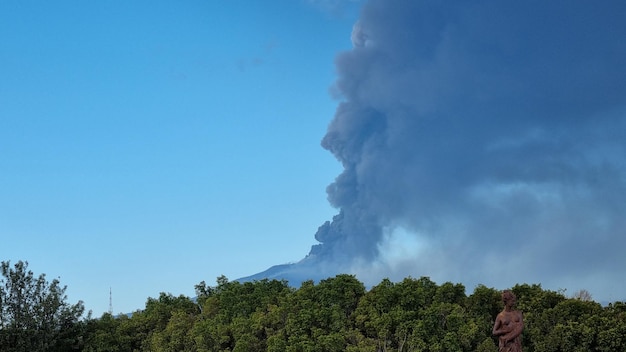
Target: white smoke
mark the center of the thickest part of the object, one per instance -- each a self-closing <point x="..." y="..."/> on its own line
<point x="358" y="37"/>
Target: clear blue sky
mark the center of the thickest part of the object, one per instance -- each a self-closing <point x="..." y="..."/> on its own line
<point x="149" y="145"/>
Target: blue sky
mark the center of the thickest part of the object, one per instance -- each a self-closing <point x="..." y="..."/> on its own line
<point x="148" y="145"/>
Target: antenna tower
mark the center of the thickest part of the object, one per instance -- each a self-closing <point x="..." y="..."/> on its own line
<point x="110" y="301"/>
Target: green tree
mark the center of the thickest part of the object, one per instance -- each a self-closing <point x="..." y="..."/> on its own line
<point x="176" y="337"/>
<point x="103" y="335"/>
<point x="241" y="316"/>
<point x="376" y="314"/>
<point x="157" y="315"/>
<point x="34" y="314"/>
<point x="320" y="317"/>
<point x="612" y="330"/>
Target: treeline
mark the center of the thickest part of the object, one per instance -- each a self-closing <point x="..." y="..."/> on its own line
<point x="339" y="314"/>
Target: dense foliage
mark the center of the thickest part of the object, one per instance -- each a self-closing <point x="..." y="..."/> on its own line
<point x="34" y="314"/>
<point x="339" y="314"/>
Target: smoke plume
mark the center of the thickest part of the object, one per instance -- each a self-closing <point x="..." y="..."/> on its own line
<point x="482" y="142"/>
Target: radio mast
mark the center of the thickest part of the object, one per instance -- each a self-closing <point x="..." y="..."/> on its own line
<point x="110" y="301"/>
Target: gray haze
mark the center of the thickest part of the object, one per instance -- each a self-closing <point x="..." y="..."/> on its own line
<point x="482" y="142"/>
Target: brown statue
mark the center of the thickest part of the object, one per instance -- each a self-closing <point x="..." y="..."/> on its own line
<point x="509" y="325"/>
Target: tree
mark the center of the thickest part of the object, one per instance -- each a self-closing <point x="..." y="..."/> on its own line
<point x="34" y="314"/>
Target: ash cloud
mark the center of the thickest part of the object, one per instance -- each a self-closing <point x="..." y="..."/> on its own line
<point x="482" y="142"/>
<point x="493" y="133"/>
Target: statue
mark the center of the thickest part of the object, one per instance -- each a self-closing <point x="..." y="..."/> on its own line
<point x="509" y="325"/>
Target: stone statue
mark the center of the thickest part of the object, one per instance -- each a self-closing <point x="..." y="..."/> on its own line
<point x="509" y="325"/>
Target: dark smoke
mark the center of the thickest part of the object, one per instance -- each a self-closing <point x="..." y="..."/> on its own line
<point x="482" y="142"/>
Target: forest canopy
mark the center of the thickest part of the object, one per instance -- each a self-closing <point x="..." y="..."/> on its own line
<point x="335" y="314"/>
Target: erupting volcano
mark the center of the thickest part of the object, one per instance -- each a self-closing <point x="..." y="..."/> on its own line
<point x="481" y="142"/>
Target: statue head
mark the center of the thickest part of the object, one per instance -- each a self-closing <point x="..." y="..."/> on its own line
<point x="508" y="297"/>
